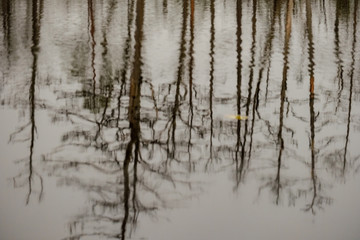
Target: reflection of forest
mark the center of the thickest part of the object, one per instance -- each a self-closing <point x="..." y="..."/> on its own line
<point x="144" y="91"/>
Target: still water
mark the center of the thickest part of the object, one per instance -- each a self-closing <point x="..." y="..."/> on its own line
<point x="167" y="119"/>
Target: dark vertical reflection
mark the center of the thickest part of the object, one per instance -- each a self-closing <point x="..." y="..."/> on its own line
<point x="106" y="28"/>
<point x="288" y="26"/>
<point x="250" y="83"/>
<point x="211" y="81"/>
<point x="124" y="68"/>
<point x="36" y="23"/>
<point x="351" y="84"/>
<point x="239" y="166"/>
<point x="37" y="11"/>
<point x="265" y="61"/>
<point x="257" y="89"/>
<point x="34" y="51"/>
<point x="191" y="68"/>
<point x="311" y="100"/>
<point x="6" y="9"/>
<point x="91" y="29"/>
<point x="110" y="14"/>
<point x="340" y="68"/>
<point x="309" y="32"/>
<point x="28" y="29"/>
<point x="165" y="6"/>
<point x="106" y="78"/>
<point x="269" y="43"/>
<point x="127" y="186"/>
<point x="323" y="10"/>
<point x="134" y="115"/>
<point x="180" y="71"/>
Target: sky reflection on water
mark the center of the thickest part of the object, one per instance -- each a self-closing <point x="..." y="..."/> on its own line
<point x="114" y="119"/>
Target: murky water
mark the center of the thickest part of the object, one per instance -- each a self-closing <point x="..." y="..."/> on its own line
<point x="194" y="119"/>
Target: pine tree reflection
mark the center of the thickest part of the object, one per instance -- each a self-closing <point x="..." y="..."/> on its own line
<point x="91" y="29"/>
<point x="351" y="86"/>
<point x="124" y="69"/>
<point x="239" y="166"/>
<point x="342" y="11"/>
<point x="277" y="184"/>
<point x="191" y="68"/>
<point x="288" y="27"/>
<point x="250" y="85"/>
<point x="174" y="108"/>
<point x="211" y="81"/>
<point x="266" y="58"/>
<point x="257" y="90"/>
<point x="20" y="180"/>
<point x="132" y="149"/>
<point x="265" y="61"/>
<point x="134" y="117"/>
<point x="106" y="80"/>
<point x="276" y="10"/>
<point x="311" y="104"/>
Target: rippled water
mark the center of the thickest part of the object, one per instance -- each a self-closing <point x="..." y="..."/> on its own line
<point x="194" y="119"/>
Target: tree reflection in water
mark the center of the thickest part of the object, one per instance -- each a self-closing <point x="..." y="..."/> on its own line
<point x="29" y="175"/>
<point x="115" y="200"/>
<point x="138" y="133"/>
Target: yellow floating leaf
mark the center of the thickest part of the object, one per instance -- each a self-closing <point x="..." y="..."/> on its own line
<point x="237" y="117"/>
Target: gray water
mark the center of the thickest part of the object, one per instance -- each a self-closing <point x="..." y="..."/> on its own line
<point x="166" y="119"/>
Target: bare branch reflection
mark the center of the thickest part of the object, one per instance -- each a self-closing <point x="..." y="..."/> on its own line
<point x="147" y="96"/>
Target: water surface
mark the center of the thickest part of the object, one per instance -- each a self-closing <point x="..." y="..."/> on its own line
<point x="194" y="119"/>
